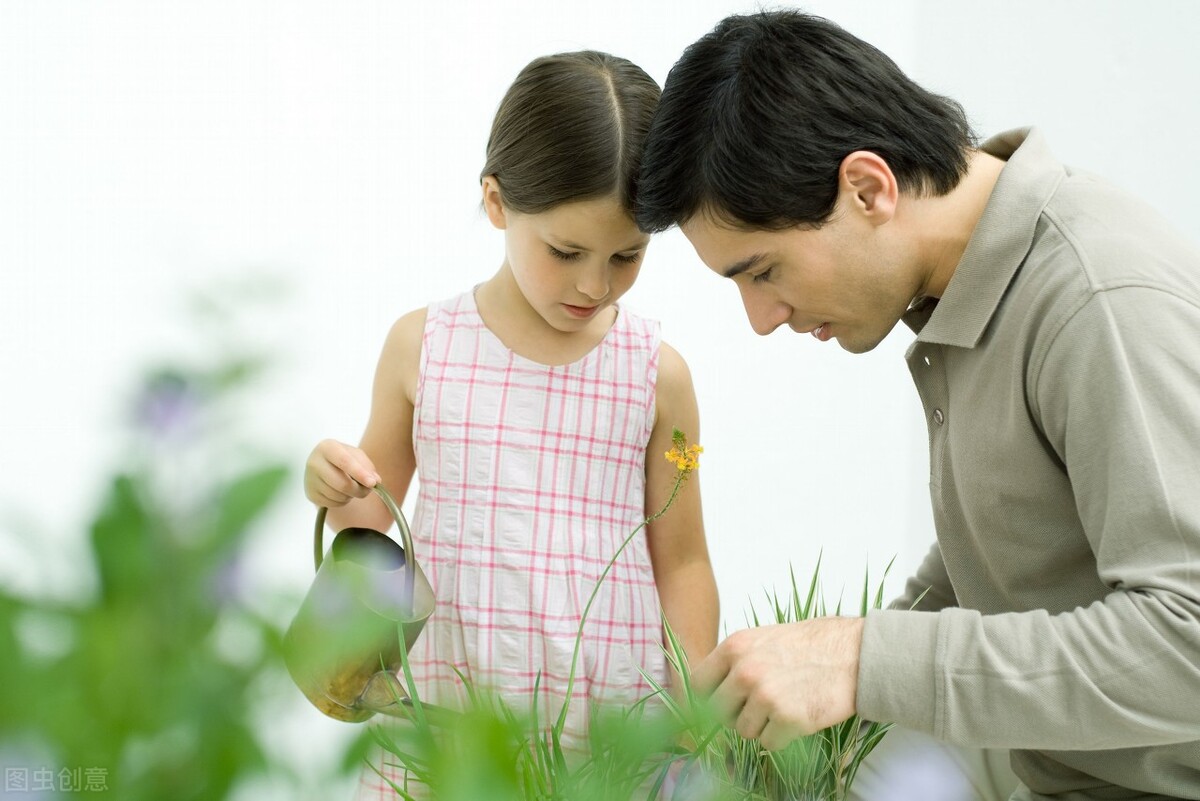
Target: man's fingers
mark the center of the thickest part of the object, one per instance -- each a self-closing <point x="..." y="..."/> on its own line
<point x="726" y="703"/>
<point x="715" y="677"/>
<point x="776" y="735"/>
<point x="775" y="683"/>
<point x="752" y="720"/>
<point x="711" y="671"/>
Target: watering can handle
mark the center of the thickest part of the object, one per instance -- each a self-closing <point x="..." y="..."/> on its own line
<point x="410" y="562"/>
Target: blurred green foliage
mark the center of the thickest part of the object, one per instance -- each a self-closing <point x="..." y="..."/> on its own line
<point x="669" y="745"/>
<point x="148" y="675"/>
<point x="152" y="672"/>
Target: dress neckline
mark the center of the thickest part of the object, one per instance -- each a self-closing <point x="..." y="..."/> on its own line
<point x="490" y="334"/>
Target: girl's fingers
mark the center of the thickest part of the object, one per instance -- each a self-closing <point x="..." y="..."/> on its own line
<point x="342" y="469"/>
<point x="329" y="498"/>
<point x="355" y="464"/>
<point x="328" y="486"/>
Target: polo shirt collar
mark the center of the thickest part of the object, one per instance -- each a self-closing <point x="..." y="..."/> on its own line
<point x="998" y="245"/>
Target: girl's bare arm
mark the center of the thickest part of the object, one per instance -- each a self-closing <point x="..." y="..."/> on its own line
<point x="687" y="588"/>
<point x="340" y="476"/>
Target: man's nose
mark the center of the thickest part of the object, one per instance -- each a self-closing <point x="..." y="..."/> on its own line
<point x="764" y="314"/>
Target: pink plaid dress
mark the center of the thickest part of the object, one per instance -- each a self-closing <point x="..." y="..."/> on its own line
<point x="530" y="477"/>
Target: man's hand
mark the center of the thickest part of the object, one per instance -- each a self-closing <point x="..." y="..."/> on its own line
<point x="777" y="683"/>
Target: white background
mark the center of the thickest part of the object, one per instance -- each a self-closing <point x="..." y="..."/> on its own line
<point x="148" y="148"/>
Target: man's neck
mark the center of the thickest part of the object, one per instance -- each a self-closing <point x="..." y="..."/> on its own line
<point x="944" y="224"/>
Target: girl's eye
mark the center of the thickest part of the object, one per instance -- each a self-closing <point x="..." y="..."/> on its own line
<point x="765" y="275"/>
<point x="630" y="259"/>
<point x="558" y="254"/>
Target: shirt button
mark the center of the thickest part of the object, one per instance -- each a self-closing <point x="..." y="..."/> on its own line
<point x="938" y="417"/>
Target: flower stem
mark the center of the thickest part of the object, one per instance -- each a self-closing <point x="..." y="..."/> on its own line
<point x="562" y="715"/>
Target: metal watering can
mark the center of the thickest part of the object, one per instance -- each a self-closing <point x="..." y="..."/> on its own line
<point x="369" y="599"/>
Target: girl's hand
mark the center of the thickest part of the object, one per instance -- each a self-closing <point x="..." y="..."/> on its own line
<point x="336" y="473"/>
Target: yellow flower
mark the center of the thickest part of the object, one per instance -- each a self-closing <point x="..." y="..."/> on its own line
<point x="686" y="458"/>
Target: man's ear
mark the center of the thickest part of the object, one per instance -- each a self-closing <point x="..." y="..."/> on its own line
<point x="867" y="182"/>
<point x="493" y="203"/>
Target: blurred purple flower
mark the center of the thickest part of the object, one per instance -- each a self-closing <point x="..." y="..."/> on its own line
<point x="168" y="406"/>
<point x="227" y="582"/>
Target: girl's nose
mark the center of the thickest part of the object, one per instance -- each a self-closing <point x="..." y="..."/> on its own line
<point x="593" y="281"/>
<point x="765" y="314"/>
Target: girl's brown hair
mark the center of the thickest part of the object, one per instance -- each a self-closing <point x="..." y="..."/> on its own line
<point x="571" y="127"/>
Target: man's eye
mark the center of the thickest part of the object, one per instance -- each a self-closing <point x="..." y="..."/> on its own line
<point x="765" y="275"/>
<point x="558" y="254"/>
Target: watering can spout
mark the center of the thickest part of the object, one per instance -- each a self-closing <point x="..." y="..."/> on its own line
<point x="369" y="600"/>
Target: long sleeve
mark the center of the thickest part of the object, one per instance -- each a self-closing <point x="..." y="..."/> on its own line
<point x="1121" y="410"/>
<point x="929" y="589"/>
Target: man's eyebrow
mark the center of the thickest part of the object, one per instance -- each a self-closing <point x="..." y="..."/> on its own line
<point x="743" y="265"/>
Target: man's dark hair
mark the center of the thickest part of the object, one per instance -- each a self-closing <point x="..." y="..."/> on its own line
<point x="757" y="116"/>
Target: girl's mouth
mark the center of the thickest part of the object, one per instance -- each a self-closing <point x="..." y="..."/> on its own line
<point x="582" y="312"/>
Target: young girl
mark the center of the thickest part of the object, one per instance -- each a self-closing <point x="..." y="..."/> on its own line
<point x="536" y="412"/>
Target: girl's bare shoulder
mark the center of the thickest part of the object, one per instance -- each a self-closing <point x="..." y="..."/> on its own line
<point x="400" y="360"/>
<point x="408" y="330"/>
<point x="673" y="372"/>
<point x="675" y="396"/>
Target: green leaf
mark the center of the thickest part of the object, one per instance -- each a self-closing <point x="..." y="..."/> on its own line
<point x="122" y="541"/>
<point x="244" y="499"/>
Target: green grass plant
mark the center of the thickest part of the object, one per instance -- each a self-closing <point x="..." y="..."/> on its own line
<point x="816" y="767"/>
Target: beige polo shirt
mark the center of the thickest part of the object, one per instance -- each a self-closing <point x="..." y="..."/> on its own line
<point x="1060" y="376"/>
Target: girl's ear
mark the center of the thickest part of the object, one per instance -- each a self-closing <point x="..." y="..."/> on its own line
<point x="493" y="203"/>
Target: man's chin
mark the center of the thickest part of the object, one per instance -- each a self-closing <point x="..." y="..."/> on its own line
<point x="859" y="342"/>
<point x="856" y="346"/>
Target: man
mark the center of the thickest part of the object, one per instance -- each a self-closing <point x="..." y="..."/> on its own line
<point x="1058" y="360"/>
